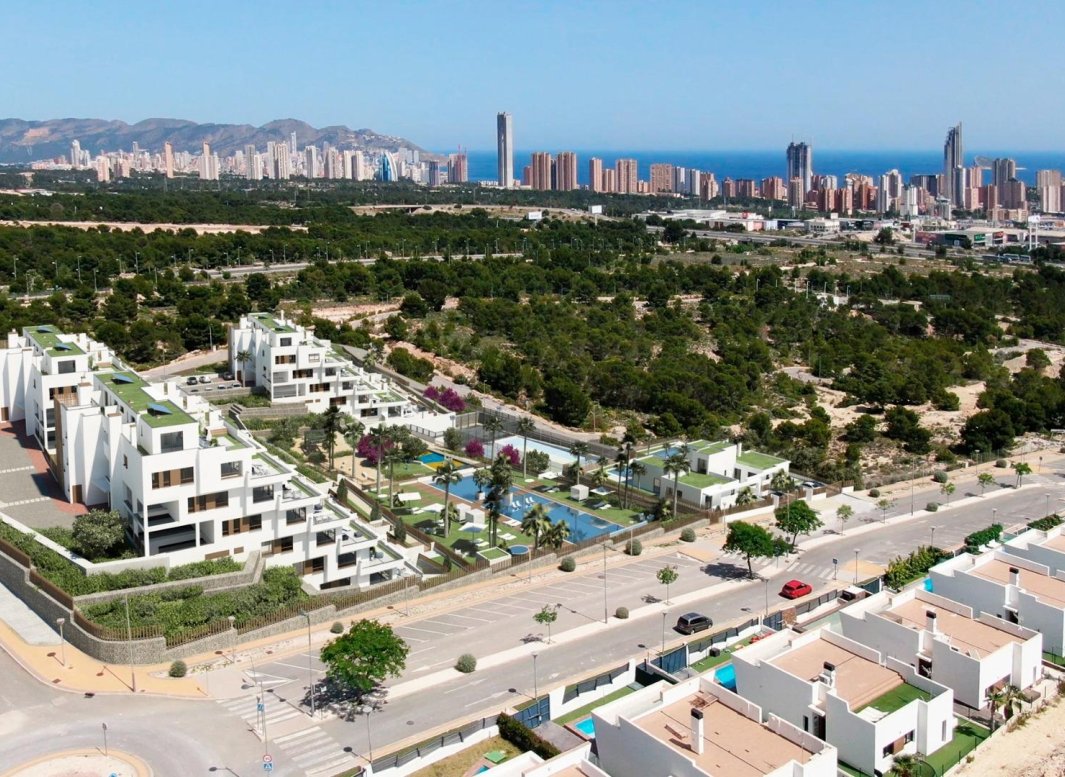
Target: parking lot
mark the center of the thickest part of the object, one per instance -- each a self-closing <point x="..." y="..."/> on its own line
<point x="28" y="491"/>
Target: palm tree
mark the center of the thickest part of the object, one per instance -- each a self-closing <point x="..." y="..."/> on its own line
<point x="995" y="697"/>
<point x="621" y="461"/>
<point x="557" y="535"/>
<point x="393" y="456"/>
<point x="501" y="482"/>
<point x="535" y="524"/>
<point x="905" y="765"/>
<point x="578" y="450"/>
<point x="1012" y="700"/>
<point x="380" y="437"/>
<point x="493" y="426"/>
<point x="782" y="482"/>
<point x="676" y="465"/>
<point x="374" y="352"/>
<point x="332" y="423"/>
<point x="353" y="431"/>
<point x="636" y="470"/>
<point x="745" y="496"/>
<point x="526" y="426"/>
<point x="483" y="479"/>
<point x="448" y="514"/>
<point x="243" y="357"/>
<point x="598" y="478"/>
<point x="446" y="474"/>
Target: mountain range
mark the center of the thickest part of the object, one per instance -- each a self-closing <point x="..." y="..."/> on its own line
<point x="26" y="141"/>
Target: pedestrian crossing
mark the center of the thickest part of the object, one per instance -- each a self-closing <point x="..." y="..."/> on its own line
<point x="315" y="752"/>
<point x="801" y="569"/>
<point x="247" y="708"/>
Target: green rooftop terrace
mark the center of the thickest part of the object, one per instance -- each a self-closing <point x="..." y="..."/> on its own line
<point x="48" y="339"/>
<point x="897" y="698"/>
<point x="703" y="479"/>
<point x="273" y="324"/>
<point x="759" y="460"/>
<point x="130" y="389"/>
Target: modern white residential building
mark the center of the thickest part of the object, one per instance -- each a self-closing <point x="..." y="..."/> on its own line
<point x="969" y="653"/>
<point x="1042" y="547"/>
<point x="1008" y="587"/>
<point x="871" y="708"/>
<point x="571" y="763"/>
<point x="189" y="484"/>
<point x="294" y="366"/>
<point x="698" y="729"/>
<point x="719" y="472"/>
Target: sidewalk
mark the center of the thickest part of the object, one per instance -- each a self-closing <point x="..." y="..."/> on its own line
<point x="82" y="762"/>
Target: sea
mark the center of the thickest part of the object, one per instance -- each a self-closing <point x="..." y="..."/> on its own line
<point x="763" y="164"/>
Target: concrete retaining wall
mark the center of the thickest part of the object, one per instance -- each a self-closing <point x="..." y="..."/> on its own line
<point x="253" y="570"/>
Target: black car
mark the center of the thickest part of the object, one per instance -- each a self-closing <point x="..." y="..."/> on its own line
<point x="691" y="622"/>
<point x="191" y="380"/>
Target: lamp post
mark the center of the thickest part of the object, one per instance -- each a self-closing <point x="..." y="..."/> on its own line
<point x="856" y="552"/>
<point x="932" y="542"/>
<point x="310" y="663"/>
<point x="536" y="686"/>
<point x="766" y="581"/>
<point x="233" y="651"/>
<point x="605" y="610"/>
<point x="835" y="569"/>
<point x="1048" y="503"/>
<point x="129" y="643"/>
<point x="369" y="739"/>
<point x="62" y="642"/>
<point x="664" y="616"/>
<point x="913" y="475"/>
<point x="994" y="515"/>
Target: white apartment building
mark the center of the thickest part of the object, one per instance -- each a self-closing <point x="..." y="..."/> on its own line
<point x="294" y="366"/>
<point x="1042" y="547"/>
<point x="698" y="729"/>
<point x="719" y="472"/>
<point x="1009" y="587"/>
<point x="871" y="708"/>
<point x="190" y="485"/>
<point x="946" y="642"/>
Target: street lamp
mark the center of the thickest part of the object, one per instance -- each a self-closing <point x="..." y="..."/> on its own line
<point x="664" y="616"/>
<point x="994" y="515"/>
<point x="835" y="569"/>
<point x="62" y="642"/>
<point x="766" y="581"/>
<point x="536" y="687"/>
<point x="233" y="653"/>
<point x="605" y="616"/>
<point x="310" y="662"/>
<point x="856" y="552"/>
<point x="1048" y="503"/>
<point x="369" y="740"/>
<point x="129" y="642"/>
<point x="932" y="542"/>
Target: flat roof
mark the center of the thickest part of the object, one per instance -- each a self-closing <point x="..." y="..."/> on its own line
<point x="47" y="337"/>
<point x="972" y="637"/>
<point x="733" y="744"/>
<point x="706" y="446"/>
<point x="130" y="387"/>
<point x="1050" y="589"/>
<point x="1054" y="543"/>
<point x="703" y="479"/>
<point x="858" y="679"/>
<point x="759" y="460"/>
<point x="271" y="323"/>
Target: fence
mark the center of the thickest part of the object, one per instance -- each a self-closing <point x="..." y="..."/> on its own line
<point x="51" y="589"/>
<point x="587" y="686"/>
<point x="535" y="712"/>
<point x="422" y="749"/>
<point x="116" y="635"/>
<point x="14" y="553"/>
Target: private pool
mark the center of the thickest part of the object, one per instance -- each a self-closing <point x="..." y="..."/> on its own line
<point x="586" y="726"/>
<point x="582" y="525"/>
<point x="431" y="458"/>
<point x="726" y="676"/>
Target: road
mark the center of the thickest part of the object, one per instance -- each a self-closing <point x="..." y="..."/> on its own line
<point x="909" y="249"/>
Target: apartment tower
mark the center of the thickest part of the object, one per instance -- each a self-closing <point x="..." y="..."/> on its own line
<point x="505" y="149"/>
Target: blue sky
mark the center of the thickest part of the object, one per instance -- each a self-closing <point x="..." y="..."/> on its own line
<point x="608" y="74"/>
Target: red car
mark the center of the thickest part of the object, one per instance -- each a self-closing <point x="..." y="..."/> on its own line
<point x="793" y="589"/>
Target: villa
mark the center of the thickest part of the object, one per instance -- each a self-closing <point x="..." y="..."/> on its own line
<point x="1008" y="587"/>
<point x="719" y="472"/>
<point x="1042" y="547"/>
<point x="969" y="653"/>
<point x="870" y="707"/>
<point x="698" y="729"/>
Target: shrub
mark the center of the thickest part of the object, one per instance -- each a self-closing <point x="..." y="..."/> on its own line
<point x="467" y="663"/>
<point x="336" y="628"/>
<point x="399" y="531"/>
<point x="475" y="449"/>
<point x="524" y="738"/>
<point x="931" y="507"/>
<point x="452" y="439"/>
<point x="634" y="547"/>
<point x="567" y="564"/>
<point x="536" y="462"/>
<point x="902" y="570"/>
<point x="940" y="476"/>
<point x="1001" y="463"/>
<point x="621" y="613"/>
<point x="874" y="492"/>
<point x="978" y="539"/>
<point x="1045" y="524"/>
<point x="367" y="449"/>
<point x="178" y="669"/>
<point x="513" y="455"/>
<point x="688" y="535"/>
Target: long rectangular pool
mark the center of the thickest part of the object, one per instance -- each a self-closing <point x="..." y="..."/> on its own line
<point x="560" y="457"/>
<point x="582" y="525"/>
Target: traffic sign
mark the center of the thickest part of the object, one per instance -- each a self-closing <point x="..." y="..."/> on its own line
<point x="267" y="758"/>
<point x="268" y="767"/>
<point x="260" y="707"/>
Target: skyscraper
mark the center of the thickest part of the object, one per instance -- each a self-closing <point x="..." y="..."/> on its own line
<point x="626" y="176"/>
<point x="1048" y="186"/>
<point x="505" y="149"/>
<point x="661" y="178"/>
<point x="75" y="154"/>
<point x="292" y="144"/>
<point x="1003" y="171"/>
<point x="566" y="171"/>
<point x="458" y="168"/>
<point x="800" y="165"/>
<point x="312" y="163"/>
<point x="168" y="159"/>
<point x="595" y="174"/>
<point x="253" y="169"/>
<point x="540" y="171"/>
<point x="954" y="166"/>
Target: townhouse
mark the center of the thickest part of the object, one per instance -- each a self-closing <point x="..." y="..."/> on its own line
<point x="1042" y="547"/>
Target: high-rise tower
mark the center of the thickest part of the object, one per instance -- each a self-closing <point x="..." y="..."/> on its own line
<point x="801" y="165"/>
<point x="954" y="166"/>
<point x="505" y="149"/>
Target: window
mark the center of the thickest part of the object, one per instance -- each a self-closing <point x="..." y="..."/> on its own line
<point x="314" y="357"/>
<point x="241" y="525"/>
<point x="66" y="366"/>
<point x="296" y="516"/>
<point x="231" y="469"/>
<point x="286" y="342"/>
<point x="285" y="359"/>
<point x="208" y="501"/>
<point x="262" y="493"/>
<point x="188" y="474"/>
<point x="172" y="441"/>
<point x="297" y="374"/>
<point x="125" y="462"/>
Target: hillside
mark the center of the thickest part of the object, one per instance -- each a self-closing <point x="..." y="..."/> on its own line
<point x="25" y="141"/>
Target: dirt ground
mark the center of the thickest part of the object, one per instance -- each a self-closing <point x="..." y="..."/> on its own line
<point x="1036" y="750"/>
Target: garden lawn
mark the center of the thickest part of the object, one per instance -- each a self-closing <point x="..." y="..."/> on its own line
<point x="897" y="698"/>
<point x="967" y="737"/>
<point x="458" y="764"/>
<point x="583" y="712"/>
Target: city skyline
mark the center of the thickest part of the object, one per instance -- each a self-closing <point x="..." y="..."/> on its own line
<point x="617" y="87"/>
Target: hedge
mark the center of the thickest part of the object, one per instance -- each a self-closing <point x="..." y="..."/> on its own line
<point x="524" y="738"/>
<point x="979" y="538"/>
<point x="903" y="570"/>
<point x="1045" y="524"/>
<point x="70" y="577"/>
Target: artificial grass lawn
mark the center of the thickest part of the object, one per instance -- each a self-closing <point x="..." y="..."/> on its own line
<point x="458" y="764"/>
<point x="897" y="698"/>
<point x="967" y="736"/>
<point x="709" y="662"/>
<point x="583" y="712"/>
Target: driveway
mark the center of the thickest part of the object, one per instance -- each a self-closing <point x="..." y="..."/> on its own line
<point x="28" y="491"/>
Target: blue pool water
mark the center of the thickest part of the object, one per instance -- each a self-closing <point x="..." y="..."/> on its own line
<point x="431" y="458"/>
<point x="665" y="453"/>
<point x="928" y="584"/>
<point x="482" y="769"/>
<point x="586" y="727"/>
<point x="582" y="525"/>
<point x="726" y="676"/>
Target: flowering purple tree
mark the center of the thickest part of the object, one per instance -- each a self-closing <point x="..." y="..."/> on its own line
<point x="447" y="398"/>
<point x="475" y="449"/>
<point x="512" y="455"/>
<point x="366" y="449"/>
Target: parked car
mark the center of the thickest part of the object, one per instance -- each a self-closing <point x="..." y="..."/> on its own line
<point x="793" y="589"/>
<point x="227" y="376"/>
<point x="191" y="380"/>
<point x="205" y="379"/>
<point x="691" y="622"/>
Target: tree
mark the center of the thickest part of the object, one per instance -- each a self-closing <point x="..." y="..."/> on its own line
<point x="447" y="515"/>
<point x="985" y="479"/>
<point x="369" y="653"/>
<point x="536" y="524"/>
<point x="332" y="424"/>
<point x="782" y="482"/>
<point x="380" y="439"/>
<point x="482" y="478"/>
<point x="883" y="505"/>
<point x="988" y="430"/>
<point x="667" y="575"/>
<point x="97" y="532"/>
<point x="556" y="536"/>
<point x="750" y="541"/>
<point x="798" y="518"/>
<point x="566" y="402"/>
<point x="676" y="465"/>
<point x="904" y="425"/>
<point x="905" y="765"/>
<point x="745" y="496"/>
<point x="1022" y="468"/>
<point x="637" y="470"/>
<point x="844" y="513"/>
<point x="885" y="237"/>
<point x="493" y="426"/>
<point x="243" y="357"/>
<point x="621" y="464"/>
<point x="501" y="480"/>
<point x="546" y="617"/>
<point x="446" y="475"/>
<point x="578" y="450"/>
<point x="526" y="426"/>
<point x="353" y="431"/>
<point x="947" y="489"/>
<point x="995" y="697"/>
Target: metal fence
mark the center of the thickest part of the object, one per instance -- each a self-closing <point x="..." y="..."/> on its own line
<point x="586" y="686"/>
<point x="14" y="553"/>
<point x="422" y="749"/>
<point x="535" y="712"/>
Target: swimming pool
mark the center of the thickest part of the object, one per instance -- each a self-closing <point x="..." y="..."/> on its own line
<point x="726" y="676"/>
<point x="665" y="453"/>
<point x="582" y="525"/>
<point x="586" y="726"/>
<point x="431" y="458"/>
<point x="560" y="457"/>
